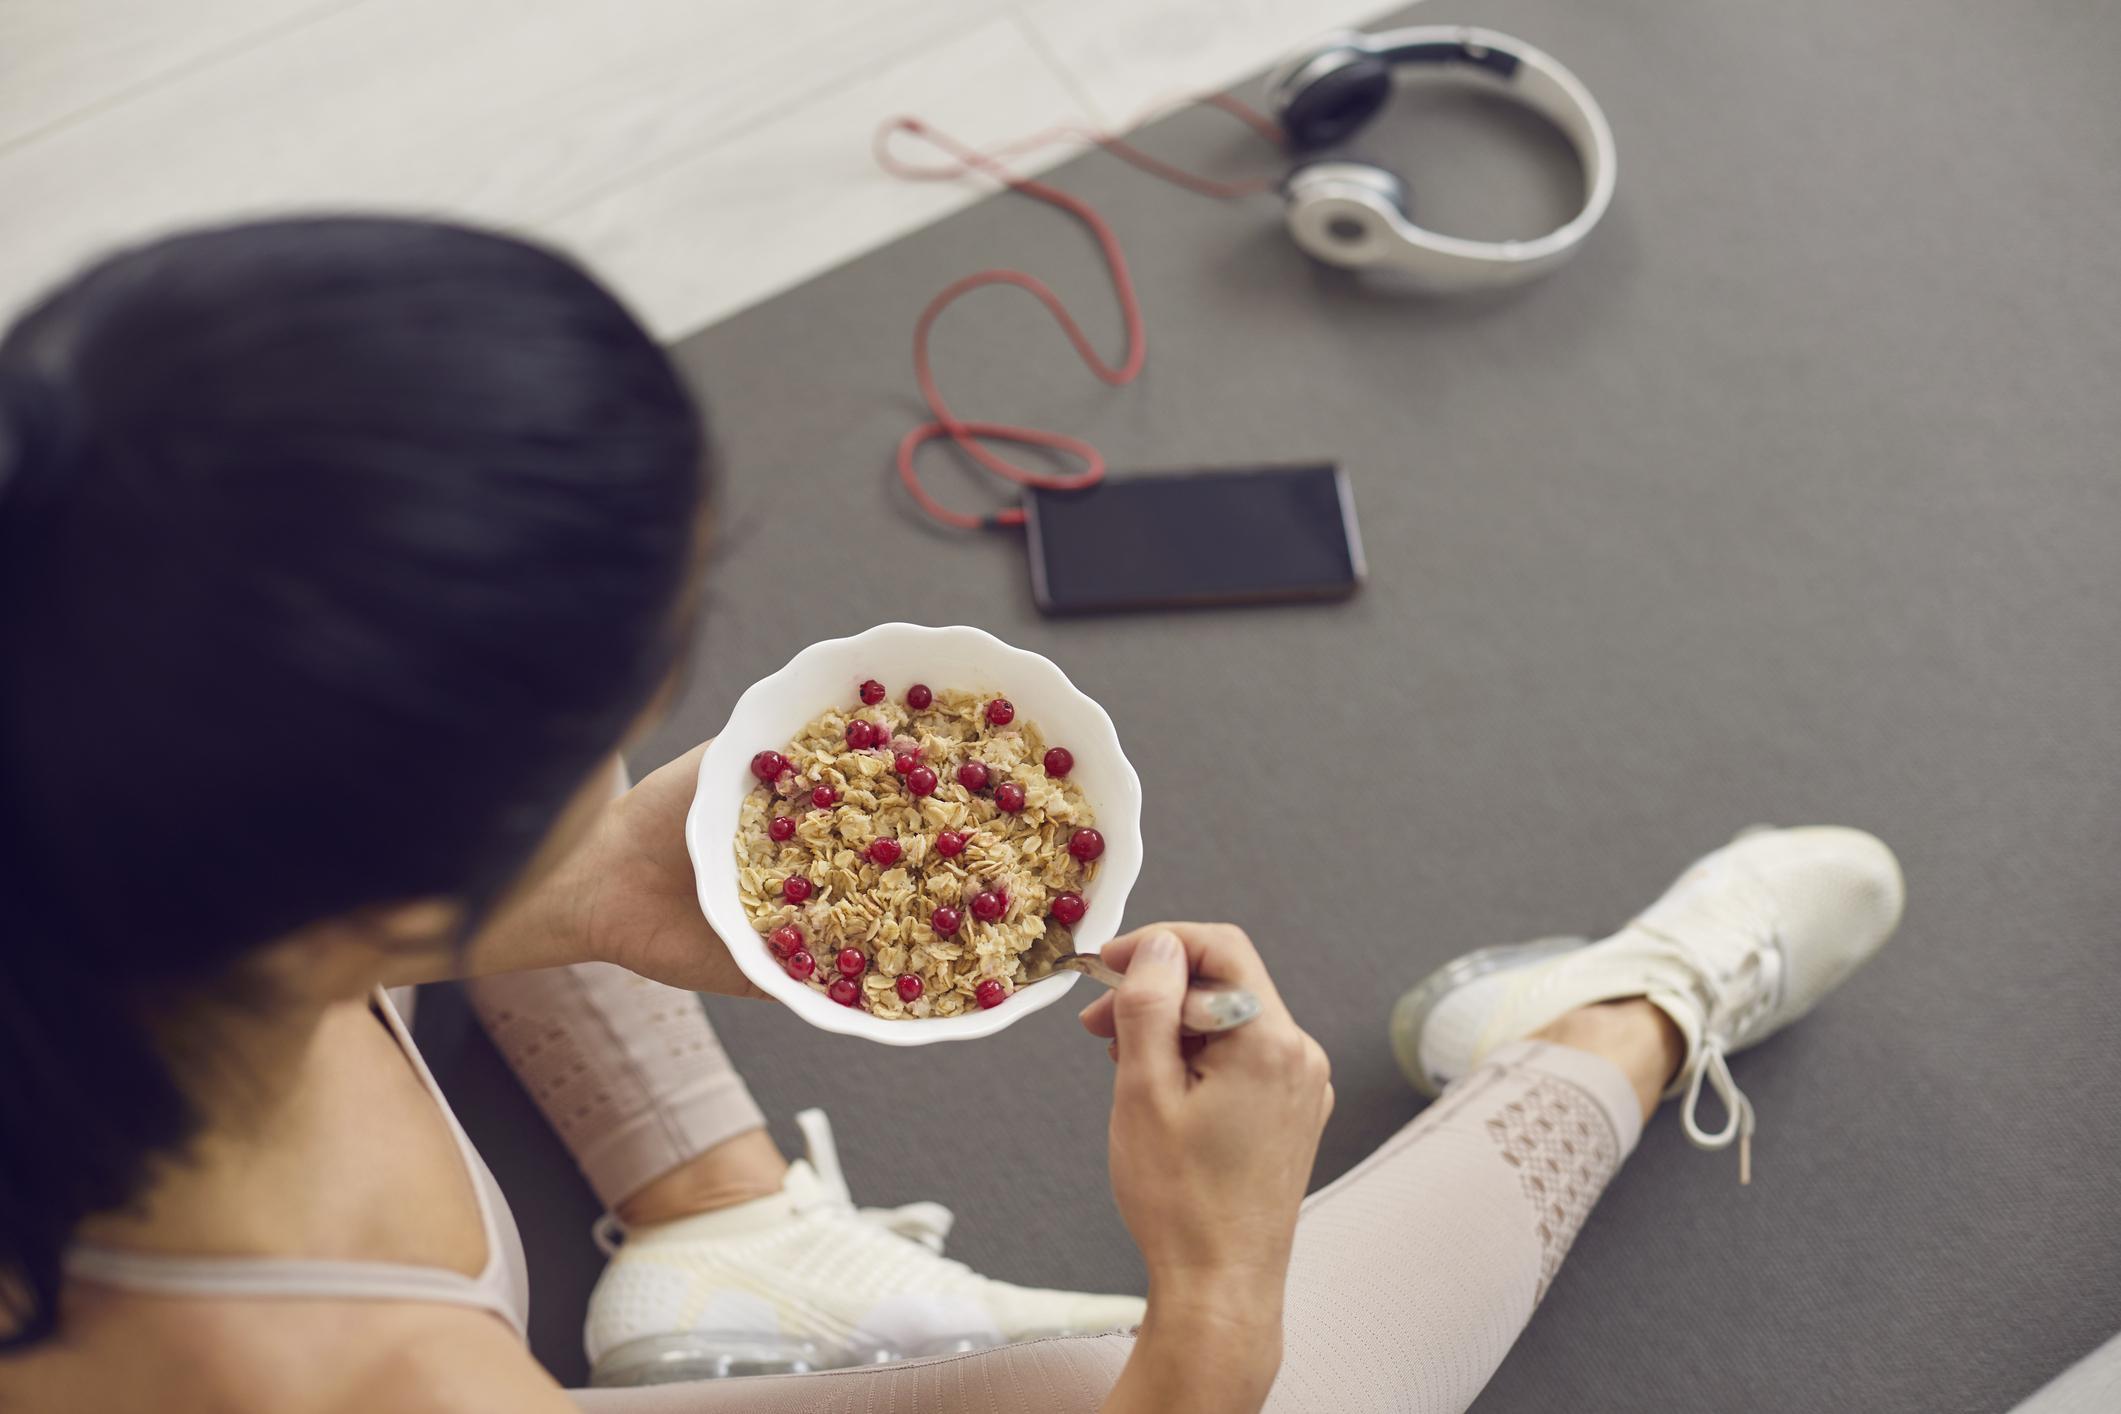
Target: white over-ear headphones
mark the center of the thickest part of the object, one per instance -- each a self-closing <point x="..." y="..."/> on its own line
<point x="1354" y="213"/>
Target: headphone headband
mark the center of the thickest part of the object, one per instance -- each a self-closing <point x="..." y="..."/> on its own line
<point x="1341" y="212"/>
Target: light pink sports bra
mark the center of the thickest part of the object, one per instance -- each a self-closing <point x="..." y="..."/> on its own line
<point x="502" y="1287"/>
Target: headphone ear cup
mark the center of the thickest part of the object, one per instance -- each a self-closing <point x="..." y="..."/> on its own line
<point x="1336" y="103"/>
<point x="1342" y="211"/>
<point x="1315" y="174"/>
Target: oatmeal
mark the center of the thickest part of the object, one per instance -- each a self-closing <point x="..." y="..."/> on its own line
<point x="908" y="857"/>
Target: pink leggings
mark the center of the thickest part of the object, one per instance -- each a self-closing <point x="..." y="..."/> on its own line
<point x="1413" y="1273"/>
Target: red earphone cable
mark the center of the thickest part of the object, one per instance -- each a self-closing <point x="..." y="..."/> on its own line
<point x="973" y="437"/>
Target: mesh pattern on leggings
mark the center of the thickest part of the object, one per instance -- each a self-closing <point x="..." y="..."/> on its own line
<point x="627" y="1070"/>
<point x="572" y="1069"/>
<point x="1564" y="1149"/>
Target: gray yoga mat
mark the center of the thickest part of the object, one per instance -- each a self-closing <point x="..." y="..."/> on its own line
<point x="1794" y="499"/>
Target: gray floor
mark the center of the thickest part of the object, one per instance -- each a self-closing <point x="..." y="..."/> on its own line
<point x="1795" y="499"/>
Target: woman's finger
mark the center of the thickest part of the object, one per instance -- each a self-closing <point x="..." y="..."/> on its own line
<point x="1217" y="951"/>
<point x="1145" y="1018"/>
<point x="1213" y="950"/>
<point x="1220" y="952"/>
<point x="1097" y="1020"/>
<point x="1097" y="1017"/>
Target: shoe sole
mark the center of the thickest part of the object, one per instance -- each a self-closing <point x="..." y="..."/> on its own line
<point x="1413" y="1010"/>
<point x="680" y="1356"/>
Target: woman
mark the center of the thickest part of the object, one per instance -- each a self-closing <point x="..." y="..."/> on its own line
<point x="336" y="560"/>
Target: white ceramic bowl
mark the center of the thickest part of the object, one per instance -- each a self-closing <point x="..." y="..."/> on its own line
<point x="825" y="675"/>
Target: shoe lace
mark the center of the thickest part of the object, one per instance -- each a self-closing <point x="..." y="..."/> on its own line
<point x="928" y="1224"/>
<point x="1709" y="1064"/>
<point x="1767" y="960"/>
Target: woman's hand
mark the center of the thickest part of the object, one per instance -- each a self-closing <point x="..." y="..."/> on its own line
<point x="633" y="876"/>
<point x="1212" y="1145"/>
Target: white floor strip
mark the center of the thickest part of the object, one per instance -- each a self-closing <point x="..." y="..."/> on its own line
<point x="705" y="154"/>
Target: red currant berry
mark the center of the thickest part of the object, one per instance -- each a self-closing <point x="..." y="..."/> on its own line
<point x="988" y="905"/>
<point x="795" y="888"/>
<point x="768" y="764"/>
<point x="909" y="986"/>
<point x="1001" y="712"/>
<point x="918" y="697"/>
<point x="1068" y="909"/>
<point x="844" y="992"/>
<point x="1009" y="796"/>
<point x="945" y="920"/>
<point x="973" y="775"/>
<point x="1086" y="845"/>
<point x="885" y="852"/>
<point x="861" y="735"/>
<point x="1059" y="761"/>
<point x="904" y="762"/>
<point x="801" y="964"/>
<point x="824" y="797"/>
<point x="990" y="994"/>
<point x="781" y="829"/>
<point x="787" y="939"/>
<point x="951" y="843"/>
<point x="921" y="781"/>
<point x="872" y="692"/>
<point x="851" y="963"/>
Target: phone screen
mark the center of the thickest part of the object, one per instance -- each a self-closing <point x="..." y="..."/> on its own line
<point x="1228" y="536"/>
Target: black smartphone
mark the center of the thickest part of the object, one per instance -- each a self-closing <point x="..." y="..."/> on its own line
<point x="1250" y="535"/>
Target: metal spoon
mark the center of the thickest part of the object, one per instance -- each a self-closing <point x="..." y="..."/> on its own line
<point x="1209" y="1007"/>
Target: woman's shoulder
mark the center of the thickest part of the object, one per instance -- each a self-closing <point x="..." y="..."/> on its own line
<point x="122" y="1352"/>
<point x="454" y="1367"/>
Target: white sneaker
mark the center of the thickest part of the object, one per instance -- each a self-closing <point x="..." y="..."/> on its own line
<point x="804" y="1280"/>
<point x="1745" y="942"/>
